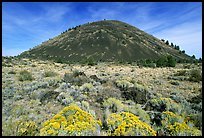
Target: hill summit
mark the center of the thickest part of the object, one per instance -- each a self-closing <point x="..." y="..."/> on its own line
<point x="107" y="40"/>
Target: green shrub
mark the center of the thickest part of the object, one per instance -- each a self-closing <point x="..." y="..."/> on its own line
<point x="164" y="104"/>
<point x="89" y="61"/>
<point x="65" y="98"/>
<point x="179" y="78"/>
<point x="107" y="92"/>
<point x="174" y="82"/>
<point x="180" y="73"/>
<point x="43" y="95"/>
<point x="123" y="84"/>
<point x="12" y="72"/>
<point x="137" y="93"/>
<point x="198" y="98"/>
<point x="152" y="65"/>
<point x="77" y="73"/>
<point x="25" y="75"/>
<point x="84" y="105"/>
<point x="86" y="87"/>
<point x="113" y="105"/>
<point x="162" y="62"/>
<point x="49" y="74"/>
<point x="171" y="61"/>
<point x="197" y="120"/>
<point x="59" y="60"/>
<point x="195" y="75"/>
<point x="166" y="61"/>
<point x="76" y="78"/>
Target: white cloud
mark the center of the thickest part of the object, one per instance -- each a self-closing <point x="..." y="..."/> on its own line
<point x="187" y="35"/>
<point x="55" y="13"/>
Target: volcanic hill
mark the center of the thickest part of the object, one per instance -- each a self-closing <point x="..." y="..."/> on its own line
<point x="107" y="40"/>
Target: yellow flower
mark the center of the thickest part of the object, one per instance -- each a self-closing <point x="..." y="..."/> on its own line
<point x="22" y="130"/>
<point x="50" y="131"/>
<point x="57" y="116"/>
<point x="126" y="127"/>
<point x="99" y="122"/>
<point x="46" y="123"/>
<point x="55" y="125"/>
<point x="73" y="121"/>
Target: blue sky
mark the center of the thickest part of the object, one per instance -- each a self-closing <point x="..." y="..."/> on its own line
<point x="28" y="24"/>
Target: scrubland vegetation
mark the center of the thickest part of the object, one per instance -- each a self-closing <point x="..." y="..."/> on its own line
<point x="41" y="98"/>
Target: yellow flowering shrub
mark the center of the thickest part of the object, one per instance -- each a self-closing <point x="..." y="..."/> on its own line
<point x="137" y="110"/>
<point x="182" y="129"/>
<point x="176" y="125"/>
<point x="27" y="128"/>
<point x="71" y="121"/>
<point x="169" y="118"/>
<point x="127" y="124"/>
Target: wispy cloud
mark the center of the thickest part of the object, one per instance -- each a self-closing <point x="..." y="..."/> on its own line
<point x="188" y="36"/>
<point x="34" y="27"/>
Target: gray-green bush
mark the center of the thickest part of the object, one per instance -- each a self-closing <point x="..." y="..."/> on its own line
<point x="25" y="76"/>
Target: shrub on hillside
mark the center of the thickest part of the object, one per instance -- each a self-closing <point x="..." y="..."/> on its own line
<point x="127" y="124"/>
<point x="43" y="95"/>
<point x="123" y="84"/>
<point x="197" y="120"/>
<point x="171" y="61"/>
<point x="89" y="61"/>
<point x="49" y="74"/>
<point x="195" y="75"/>
<point x="164" y="104"/>
<point x="25" y="75"/>
<point x="71" y="121"/>
<point x="174" y="82"/>
<point x="180" y="73"/>
<point x="162" y="62"/>
<point x="27" y="129"/>
<point x="113" y="105"/>
<point x="166" y="61"/>
<point x="76" y="78"/>
<point x="19" y="128"/>
<point x="86" y="87"/>
<point x="176" y="125"/>
<point x="65" y="98"/>
<point x="11" y="72"/>
<point x="137" y="93"/>
<point x="103" y="93"/>
<point x="182" y="129"/>
<point x="84" y="105"/>
<point x="137" y="110"/>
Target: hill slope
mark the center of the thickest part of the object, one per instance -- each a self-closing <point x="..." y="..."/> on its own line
<point x="107" y="40"/>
